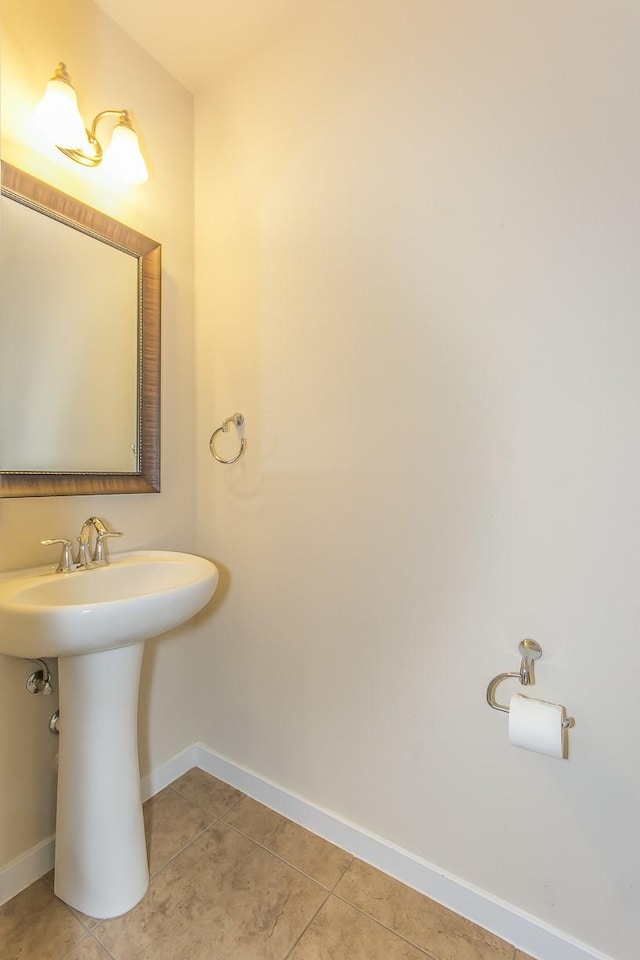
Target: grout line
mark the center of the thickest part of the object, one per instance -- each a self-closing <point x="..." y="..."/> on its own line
<point x="306" y="927"/>
<point x="112" y="956"/>
<point x="352" y="858"/>
<point x="87" y="936"/>
<point x="181" y="850"/>
<point x="182" y="797"/>
<point x="82" y="918"/>
<point x="74" y="946"/>
<point x="214" y="818"/>
<point x="277" y="856"/>
<point x="380" y="923"/>
<point x="281" y="857"/>
<point x="425" y="953"/>
<point x="235" y="803"/>
<point x="106" y="950"/>
<point x="171" y="786"/>
<point x="70" y="910"/>
<point x="221" y="818"/>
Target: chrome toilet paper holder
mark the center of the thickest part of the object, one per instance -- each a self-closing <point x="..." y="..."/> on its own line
<point x="530" y="651"/>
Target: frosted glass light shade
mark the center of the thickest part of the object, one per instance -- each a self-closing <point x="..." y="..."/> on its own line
<point x="58" y="116"/>
<point x="123" y="158"/>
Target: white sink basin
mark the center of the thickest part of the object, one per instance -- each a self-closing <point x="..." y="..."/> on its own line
<point x="139" y="595"/>
<point x="96" y="621"/>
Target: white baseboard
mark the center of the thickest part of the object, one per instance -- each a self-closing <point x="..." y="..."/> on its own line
<point x="162" y="776"/>
<point x="503" y="919"/>
<point x="26" y="869"/>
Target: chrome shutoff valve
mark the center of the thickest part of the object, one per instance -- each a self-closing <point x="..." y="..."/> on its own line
<point x="40" y="680"/>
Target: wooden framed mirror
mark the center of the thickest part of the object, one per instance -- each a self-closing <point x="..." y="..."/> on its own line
<point x="79" y="347"/>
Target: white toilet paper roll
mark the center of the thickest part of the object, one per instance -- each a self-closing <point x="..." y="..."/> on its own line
<point x="537" y="725"/>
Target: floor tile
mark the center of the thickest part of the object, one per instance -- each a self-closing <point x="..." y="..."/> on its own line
<point x="171" y="821"/>
<point x="223" y="897"/>
<point x="422" y="921"/>
<point x="233" y="880"/>
<point x="88" y="949"/>
<point x="35" y="925"/>
<point x="214" y="796"/>
<point x="340" y="932"/>
<point x="88" y="922"/>
<point x="304" y="850"/>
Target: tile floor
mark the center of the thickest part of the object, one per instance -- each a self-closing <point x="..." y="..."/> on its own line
<point x="232" y="880"/>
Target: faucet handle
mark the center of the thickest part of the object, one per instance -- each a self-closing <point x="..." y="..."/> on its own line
<point x="66" y="557"/>
<point x="99" y="555"/>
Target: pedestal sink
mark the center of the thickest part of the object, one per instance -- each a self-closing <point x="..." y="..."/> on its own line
<point x="96" y="621"/>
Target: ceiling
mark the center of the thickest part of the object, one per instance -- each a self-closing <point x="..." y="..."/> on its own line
<point x="196" y="39"/>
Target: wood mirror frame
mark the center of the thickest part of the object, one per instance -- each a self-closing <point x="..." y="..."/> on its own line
<point x="45" y="199"/>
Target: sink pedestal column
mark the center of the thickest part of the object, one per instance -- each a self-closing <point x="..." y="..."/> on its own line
<point x="101" y="859"/>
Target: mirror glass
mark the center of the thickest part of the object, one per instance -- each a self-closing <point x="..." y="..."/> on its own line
<point x="79" y="347"/>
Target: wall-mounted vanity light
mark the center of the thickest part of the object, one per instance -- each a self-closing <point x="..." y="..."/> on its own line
<point x="59" y="118"/>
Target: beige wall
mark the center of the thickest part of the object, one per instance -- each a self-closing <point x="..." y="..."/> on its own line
<point x="109" y="70"/>
<point x="416" y="249"/>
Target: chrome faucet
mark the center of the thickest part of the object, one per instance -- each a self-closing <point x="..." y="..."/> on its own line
<point x="84" y="551"/>
<point x="85" y="557"/>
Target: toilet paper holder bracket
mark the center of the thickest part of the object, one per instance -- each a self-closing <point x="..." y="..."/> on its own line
<point x="530" y="651"/>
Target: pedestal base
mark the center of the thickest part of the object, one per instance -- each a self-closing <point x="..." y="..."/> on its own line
<point x="101" y="859"/>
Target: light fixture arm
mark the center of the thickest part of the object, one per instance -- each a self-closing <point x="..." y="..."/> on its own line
<point x="93" y="159"/>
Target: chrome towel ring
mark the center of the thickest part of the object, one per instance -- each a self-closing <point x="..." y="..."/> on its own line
<point x="237" y="420"/>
